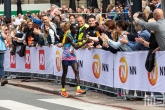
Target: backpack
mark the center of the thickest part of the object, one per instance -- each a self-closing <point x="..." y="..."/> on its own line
<point x="149" y="64"/>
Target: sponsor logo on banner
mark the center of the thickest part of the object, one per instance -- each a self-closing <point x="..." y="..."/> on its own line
<point x="96" y="66"/>
<point x="58" y="60"/>
<point x="12" y="61"/>
<point x="123" y="70"/>
<point x="153" y="76"/>
<point x="27" y="59"/>
<point x="41" y="60"/>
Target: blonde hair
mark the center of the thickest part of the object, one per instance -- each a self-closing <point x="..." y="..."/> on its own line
<point x="115" y="35"/>
<point x="66" y="26"/>
<point x="137" y="26"/>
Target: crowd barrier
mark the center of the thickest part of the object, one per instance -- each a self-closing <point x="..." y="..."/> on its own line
<point x="122" y="70"/>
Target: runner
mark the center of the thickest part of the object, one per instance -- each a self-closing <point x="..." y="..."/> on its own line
<point x="69" y="57"/>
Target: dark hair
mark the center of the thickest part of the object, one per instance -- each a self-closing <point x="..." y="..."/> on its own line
<point x="152" y="7"/>
<point x="25" y="26"/>
<point x="91" y="16"/>
<point x="110" y="24"/>
<point x="72" y="15"/>
<point x="72" y="26"/>
<point x="122" y="24"/>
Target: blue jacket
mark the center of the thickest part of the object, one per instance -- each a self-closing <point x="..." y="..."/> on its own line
<point x="37" y="21"/>
<point x="138" y="46"/>
<point x="2" y="44"/>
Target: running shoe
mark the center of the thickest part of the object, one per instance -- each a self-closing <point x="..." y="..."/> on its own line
<point x="80" y="91"/>
<point x="64" y="94"/>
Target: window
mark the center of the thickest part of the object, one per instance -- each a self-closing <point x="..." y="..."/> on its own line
<point x="89" y="3"/>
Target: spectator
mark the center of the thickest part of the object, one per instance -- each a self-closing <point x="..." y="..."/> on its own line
<point x="158" y="5"/>
<point x="50" y="39"/>
<point x="93" y="30"/>
<point x="121" y="27"/>
<point x="154" y="2"/>
<point x="30" y="36"/>
<point x="82" y="27"/>
<point x="59" y="35"/>
<point x="52" y="10"/>
<point x="157" y="27"/>
<point x="2" y="51"/>
<point x="72" y="19"/>
<point x="141" y="33"/>
<point x="18" y="20"/>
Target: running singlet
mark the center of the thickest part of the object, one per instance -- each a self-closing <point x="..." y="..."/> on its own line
<point x="68" y="52"/>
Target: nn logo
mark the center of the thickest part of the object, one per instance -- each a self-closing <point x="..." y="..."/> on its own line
<point x="27" y="59"/>
<point x="58" y="60"/>
<point x="80" y="63"/>
<point x="97" y="66"/>
<point x="124" y="70"/>
<point x="153" y="75"/>
<point x="41" y="60"/>
<point x="12" y="61"/>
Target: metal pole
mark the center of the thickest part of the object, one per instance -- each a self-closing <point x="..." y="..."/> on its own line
<point x="136" y="6"/>
<point x="7" y="10"/>
<point x="28" y="1"/>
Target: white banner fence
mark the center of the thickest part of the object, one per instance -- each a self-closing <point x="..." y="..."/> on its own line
<point x="122" y="70"/>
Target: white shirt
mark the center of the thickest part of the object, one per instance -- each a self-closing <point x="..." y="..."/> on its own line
<point x="18" y="21"/>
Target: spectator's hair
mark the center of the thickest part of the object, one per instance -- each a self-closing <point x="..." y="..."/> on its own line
<point x="110" y="24"/>
<point x="36" y="26"/>
<point x="80" y="17"/>
<point x="66" y="26"/>
<point x="122" y="24"/>
<point x="72" y="15"/>
<point x="110" y="7"/>
<point x="115" y="34"/>
<point x="72" y="26"/>
<point x="29" y="20"/>
<point x="137" y="26"/>
<point x="47" y="24"/>
<point x="92" y="16"/>
<point x="25" y="26"/>
<point x="97" y="10"/>
<point x="56" y="19"/>
<point x="152" y="7"/>
<point x="46" y="32"/>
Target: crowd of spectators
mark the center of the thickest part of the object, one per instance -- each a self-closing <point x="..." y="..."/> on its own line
<point x="45" y="27"/>
<point x="110" y="32"/>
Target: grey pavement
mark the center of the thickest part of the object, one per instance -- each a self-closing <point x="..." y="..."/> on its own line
<point x="91" y="97"/>
<point x="16" y="98"/>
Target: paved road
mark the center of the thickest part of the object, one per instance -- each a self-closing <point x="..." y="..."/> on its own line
<point x="15" y="98"/>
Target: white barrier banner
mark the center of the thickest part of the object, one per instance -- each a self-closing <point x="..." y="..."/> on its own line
<point x="96" y="66"/>
<point x="35" y="61"/>
<point x="130" y="72"/>
<point x="57" y="63"/>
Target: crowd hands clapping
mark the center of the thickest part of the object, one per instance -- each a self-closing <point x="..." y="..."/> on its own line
<point x="108" y="32"/>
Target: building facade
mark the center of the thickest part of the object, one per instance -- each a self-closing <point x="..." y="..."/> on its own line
<point x="60" y="3"/>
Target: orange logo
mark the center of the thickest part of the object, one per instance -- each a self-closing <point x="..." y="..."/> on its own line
<point x="41" y="59"/>
<point x="123" y="70"/>
<point x="96" y="66"/>
<point x="12" y="61"/>
<point x="27" y="59"/>
<point x="153" y="76"/>
<point x="58" y="60"/>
